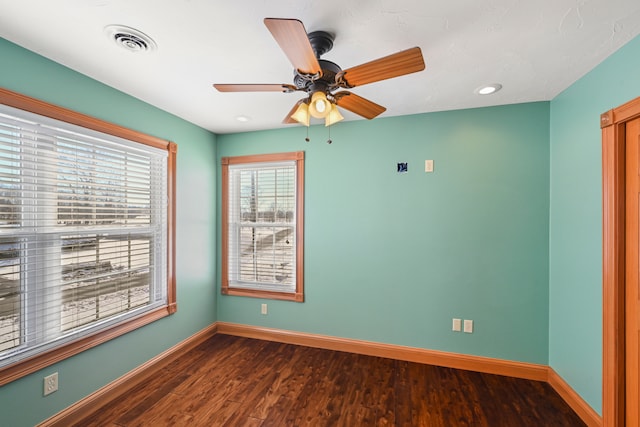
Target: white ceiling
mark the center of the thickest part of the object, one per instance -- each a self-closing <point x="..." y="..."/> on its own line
<point x="535" y="49"/>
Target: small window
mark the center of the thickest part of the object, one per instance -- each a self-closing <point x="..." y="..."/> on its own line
<point x="262" y="226"/>
<point x="86" y="232"/>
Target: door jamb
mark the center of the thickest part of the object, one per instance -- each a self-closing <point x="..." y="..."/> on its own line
<point x="613" y="124"/>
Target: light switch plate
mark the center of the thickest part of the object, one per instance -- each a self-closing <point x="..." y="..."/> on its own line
<point x="428" y="165"/>
<point x="457" y="325"/>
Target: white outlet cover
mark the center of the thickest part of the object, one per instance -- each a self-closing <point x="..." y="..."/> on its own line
<point x="468" y="326"/>
<point x="50" y="383"/>
<point x="457" y="325"/>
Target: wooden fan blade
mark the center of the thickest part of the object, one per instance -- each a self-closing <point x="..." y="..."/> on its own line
<point x="292" y="38"/>
<point x="255" y="87"/>
<point x="359" y="105"/>
<point x="401" y="63"/>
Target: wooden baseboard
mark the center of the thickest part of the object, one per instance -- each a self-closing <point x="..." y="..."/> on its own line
<point x="573" y="399"/>
<point x="117" y="388"/>
<point x="487" y="365"/>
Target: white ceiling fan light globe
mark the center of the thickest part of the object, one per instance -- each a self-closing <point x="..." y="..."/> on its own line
<point x="319" y="107"/>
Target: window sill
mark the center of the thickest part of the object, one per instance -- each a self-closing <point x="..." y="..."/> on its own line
<point x="25" y="367"/>
<point x="296" y="297"/>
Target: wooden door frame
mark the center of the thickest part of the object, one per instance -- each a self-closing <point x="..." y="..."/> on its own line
<point x="613" y="124"/>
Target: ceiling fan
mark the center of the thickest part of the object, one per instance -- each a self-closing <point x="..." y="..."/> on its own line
<point x="322" y="79"/>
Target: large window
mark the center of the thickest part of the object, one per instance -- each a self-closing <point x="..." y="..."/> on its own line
<point x="262" y="226"/>
<point x="86" y="232"/>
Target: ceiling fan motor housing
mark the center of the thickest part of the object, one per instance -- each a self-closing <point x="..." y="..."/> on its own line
<point x="325" y="83"/>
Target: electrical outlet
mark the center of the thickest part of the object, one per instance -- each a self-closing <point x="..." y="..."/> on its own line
<point x="468" y="326"/>
<point x="51" y="383"/>
<point x="263" y="309"/>
<point x="457" y="325"/>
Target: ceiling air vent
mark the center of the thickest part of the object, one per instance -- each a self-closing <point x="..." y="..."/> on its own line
<point x="130" y="39"/>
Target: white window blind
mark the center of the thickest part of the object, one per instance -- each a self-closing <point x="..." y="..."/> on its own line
<point x="83" y="232"/>
<point x="262" y="226"/>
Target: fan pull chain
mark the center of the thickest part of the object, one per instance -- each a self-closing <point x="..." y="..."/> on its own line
<point x="307" y="138"/>
<point x="329" y="141"/>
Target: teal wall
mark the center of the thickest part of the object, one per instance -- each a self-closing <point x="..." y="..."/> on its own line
<point x="21" y="402"/>
<point x="394" y="257"/>
<point x="575" y="296"/>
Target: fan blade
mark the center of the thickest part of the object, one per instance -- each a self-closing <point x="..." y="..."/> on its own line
<point x="292" y="38"/>
<point x="359" y="105"/>
<point x="395" y="65"/>
<point x="255" y="87"/>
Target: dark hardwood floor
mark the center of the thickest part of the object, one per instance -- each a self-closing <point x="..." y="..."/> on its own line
<point x="233" y="381"/>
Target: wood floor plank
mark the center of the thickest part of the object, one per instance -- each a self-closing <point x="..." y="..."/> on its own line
<point x="378" y="388"/>
<point x="308" y="403"/>
<point x="233" y="381"/>
<point x="136" y="402"/>
<point x="402" y="393"/>
<point x="288" y="383"/>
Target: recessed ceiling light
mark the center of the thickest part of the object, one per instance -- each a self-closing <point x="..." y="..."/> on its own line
<point x="130" y="39"/>
<point x="243" y="119"/>
<point x="488" y="89"/>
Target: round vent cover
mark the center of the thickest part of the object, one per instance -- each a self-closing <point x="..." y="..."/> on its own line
<point x="130" y="39"/>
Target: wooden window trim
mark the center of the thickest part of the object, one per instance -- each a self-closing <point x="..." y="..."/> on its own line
<point x="613" y="124"/>
<point x="27" y="366"/>
<point x="298" y="295"/>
